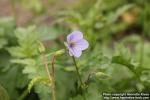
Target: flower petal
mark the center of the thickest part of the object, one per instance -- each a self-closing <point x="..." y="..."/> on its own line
<point x="81" y="44"/>
<point x="75" y="52"/>
<point x="75" y="36"/>
<point x="70" y="53"/>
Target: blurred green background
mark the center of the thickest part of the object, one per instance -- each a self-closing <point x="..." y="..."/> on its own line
<point x="117" y="60"/>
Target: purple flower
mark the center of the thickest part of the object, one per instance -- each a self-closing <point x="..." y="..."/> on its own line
<point x="76" y="43"/>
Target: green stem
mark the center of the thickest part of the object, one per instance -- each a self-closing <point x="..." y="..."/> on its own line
<point x="46" y="67"/>
<point x="77" y="70"/>
<point x="78" y="75"/>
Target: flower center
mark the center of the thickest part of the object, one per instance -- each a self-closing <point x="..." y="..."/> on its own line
<point x="72" y="44"/>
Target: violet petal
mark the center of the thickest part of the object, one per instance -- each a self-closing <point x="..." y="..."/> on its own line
<point x="74" y="36"/>
<point x="81" y="44"/>
<point x="70" y="53"/>
<point x="75" y="52"/>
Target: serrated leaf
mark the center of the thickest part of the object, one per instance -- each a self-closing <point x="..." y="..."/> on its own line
<point x="37" y="80"/>
<point x="27" y="40"/>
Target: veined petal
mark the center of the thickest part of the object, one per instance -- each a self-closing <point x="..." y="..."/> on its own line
<point x="81" y="44"/>
<point x="74" y="36"/>
<point x="75" y="52"/>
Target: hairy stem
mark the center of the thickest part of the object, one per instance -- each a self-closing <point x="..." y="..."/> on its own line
<point x="46" y="67"/>
<point x="78" y="75"/>
<point x="53" y="79"/>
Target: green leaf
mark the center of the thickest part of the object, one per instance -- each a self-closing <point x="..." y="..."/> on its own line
<point x="101" y="75"/>
<point x="38" y="80"/>
<point x="27" y="40"/>
<point x="24" y="61"/>
<point x="43" y="91"/>
<point x="122" y="61"/>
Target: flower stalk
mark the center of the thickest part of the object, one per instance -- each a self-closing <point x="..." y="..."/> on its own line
<point x="82" y="84"/>
<point x="77" y="70"/>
